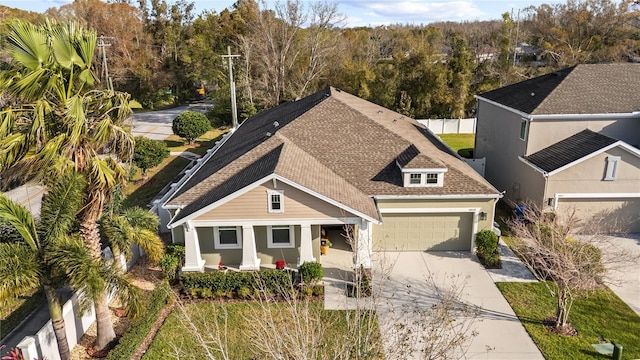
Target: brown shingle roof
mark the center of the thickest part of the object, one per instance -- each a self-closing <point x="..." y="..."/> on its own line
<point x="338" y="145"/>
<point x="582" y="89"/>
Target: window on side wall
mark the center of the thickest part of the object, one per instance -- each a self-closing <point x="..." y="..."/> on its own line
<point x="227" y="237"/>
<point x="280" y="236"/>
<point x="275" y="200"/>
<point x="523" y="129"/>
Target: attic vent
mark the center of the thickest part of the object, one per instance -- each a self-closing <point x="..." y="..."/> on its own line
<point x="276" y="124"/>
<point x="379" y="111"/>
<point x="533" y="94"/>
<point x="268" y="134"/>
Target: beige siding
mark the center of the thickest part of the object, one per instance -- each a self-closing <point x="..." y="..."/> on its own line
<point x="253" y="205"/>
<point x="547" y="132"/>
<point x="498" y="140"/>
<point x="587" y="176"/>
<point x="485" y="205"/>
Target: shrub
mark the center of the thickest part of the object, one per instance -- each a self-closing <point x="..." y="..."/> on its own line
<point x="232" y="282"/>
<point x="190" y="125"/>
<point x="491" y="260"/>
<point x="486" y="243"/>
<point x="133" y="338"/>
<point x="311" y="272"/>
<point x="318" y="290"/>
<point x="148" y="153"/>
<point x="169" y="266"/>
<point x="244" y="292"/>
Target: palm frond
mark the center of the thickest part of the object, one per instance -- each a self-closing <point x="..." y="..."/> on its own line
<point x="142" y="218"/>
<point x="28" y="44"/>
<point x="21" y="219"/>
<point x="61" y="205"/>
<point x="119" y="233"/>
<point x="129" y="294"/>
<point x="151" y="243"/>
<point x="19" y="270"/>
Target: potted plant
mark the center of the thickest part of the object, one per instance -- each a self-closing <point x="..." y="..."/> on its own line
<point x="280" y="264"/>
<point x="325" y="244"/>
<point x="222" y="266"/>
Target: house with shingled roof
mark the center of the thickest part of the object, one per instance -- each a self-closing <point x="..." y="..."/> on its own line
<point x="567" y="141"/>
<point x="271" y="189"/>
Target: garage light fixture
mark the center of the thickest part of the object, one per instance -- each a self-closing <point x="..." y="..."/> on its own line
<point x="483" y="215"/>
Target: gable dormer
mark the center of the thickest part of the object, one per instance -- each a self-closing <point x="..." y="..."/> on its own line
<point x="418" y="170"/>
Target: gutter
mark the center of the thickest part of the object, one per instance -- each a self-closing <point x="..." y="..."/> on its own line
<point x="544" y="173"/>
<point x="448" y="196"/>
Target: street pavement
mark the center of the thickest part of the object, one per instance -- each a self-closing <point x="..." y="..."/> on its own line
<point x="156" y="125"/>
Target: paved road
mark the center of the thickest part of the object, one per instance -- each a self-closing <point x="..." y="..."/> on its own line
<point x="156" y="125"/>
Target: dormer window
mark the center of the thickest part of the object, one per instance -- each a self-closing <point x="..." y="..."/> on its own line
<point x="423" y="177"/>
<point x="275" y="200"/>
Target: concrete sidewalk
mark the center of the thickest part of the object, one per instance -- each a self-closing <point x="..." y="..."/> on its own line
<point x="413" y="282"/>
<point x="513" y="270"/>
<point x="624" y="281"/>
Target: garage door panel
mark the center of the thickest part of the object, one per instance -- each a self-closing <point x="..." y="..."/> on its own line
<point x="419" y="232"/>
<point x="620" y="215"/>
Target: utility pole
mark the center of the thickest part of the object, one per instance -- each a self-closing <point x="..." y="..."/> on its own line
<point x="232" y="87"/>
<point x="515" y="47"/>
<point x="102" y="43"/>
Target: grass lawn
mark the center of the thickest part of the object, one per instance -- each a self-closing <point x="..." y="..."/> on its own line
<point x="140" y="193"/>
<point x="602" y="314"/>
<point x="12" y="313"/>
<point x="200" y="145"/>
<point x="174" y="334"/>
<point x="459" y="142"/>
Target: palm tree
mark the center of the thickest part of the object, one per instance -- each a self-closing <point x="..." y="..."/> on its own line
<point x="62" y="122"/>
<point x="133" y="225"/>
<point x="23" y="266"/>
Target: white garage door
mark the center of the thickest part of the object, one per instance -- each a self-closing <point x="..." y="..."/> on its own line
<point x="419" y="232"/>
<point x="612" y="215"/>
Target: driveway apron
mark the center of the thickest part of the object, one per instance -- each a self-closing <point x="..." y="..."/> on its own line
<point x="406" y="282"/>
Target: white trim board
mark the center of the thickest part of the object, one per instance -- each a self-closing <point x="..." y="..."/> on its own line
<point x="560" y="196"/>
<point x="438" y="197"/>
<point x="428" y="210"/>
<point x="266" y="222"/>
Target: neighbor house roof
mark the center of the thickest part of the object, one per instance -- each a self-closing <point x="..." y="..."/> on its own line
<point x="569" y="150"/>
<point x="582" y="89"/>
<point x="333" y="143"/>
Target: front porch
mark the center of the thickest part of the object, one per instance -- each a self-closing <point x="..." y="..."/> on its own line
<point x="260" y="245"/>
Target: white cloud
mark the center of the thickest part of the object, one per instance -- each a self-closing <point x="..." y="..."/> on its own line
<point x="415" y="11"/>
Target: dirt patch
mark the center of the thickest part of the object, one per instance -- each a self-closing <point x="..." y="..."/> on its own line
<point x="567" y="330"/>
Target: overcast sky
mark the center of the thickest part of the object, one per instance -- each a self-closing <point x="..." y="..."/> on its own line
<point x="366" y="12"/>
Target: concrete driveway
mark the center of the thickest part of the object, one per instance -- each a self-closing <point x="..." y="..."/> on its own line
<point x="409" y="283"/>
<point x="624" y="278"/>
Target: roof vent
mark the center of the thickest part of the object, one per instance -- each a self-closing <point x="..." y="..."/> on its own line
<point x="276" y="124"/>
<point x="268" y="134"/>
<point x="402" y="117"/>
<point x="394" y="120"/>
<point x="533" y="94"/>
<point x="379" y="111"/>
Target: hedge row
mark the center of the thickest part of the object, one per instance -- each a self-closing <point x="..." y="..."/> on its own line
<point x="243" y="284"/>
<point x="138" y="331"/>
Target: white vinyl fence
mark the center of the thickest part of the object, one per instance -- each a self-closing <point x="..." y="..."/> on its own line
<point x="450" y="126"/>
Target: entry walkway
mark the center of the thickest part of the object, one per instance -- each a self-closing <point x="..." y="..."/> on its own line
<point x="513" y="270"/>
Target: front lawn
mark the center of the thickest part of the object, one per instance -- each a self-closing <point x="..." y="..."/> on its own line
<point x="236" y="323"/>
<point x="459" y="142"/>
<point x="602" y="314"/>
<point x="15" y="310"/>
<point x="199" y="146"/>
<point x="140" y="192"/>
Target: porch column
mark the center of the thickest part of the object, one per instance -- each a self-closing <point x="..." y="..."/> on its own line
<point x="306" y="245"/>
<point x="192" y="259"/>
<point x="364" y="245"/>
<point x="250" y="259"/>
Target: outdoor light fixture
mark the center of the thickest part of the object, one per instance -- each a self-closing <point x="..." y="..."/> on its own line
<point x="483" y="215"/>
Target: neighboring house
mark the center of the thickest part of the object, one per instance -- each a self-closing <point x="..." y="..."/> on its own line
<point x="330" y="159"/>
<point x="567" y="140"/>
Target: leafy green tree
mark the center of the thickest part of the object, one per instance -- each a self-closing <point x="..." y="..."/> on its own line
<point x="190" y="125"/>
<point x="61" y="123"/>
<point x="23" y="266"/>
<point x="461" y="66"/>
<point x="148" y="153"/>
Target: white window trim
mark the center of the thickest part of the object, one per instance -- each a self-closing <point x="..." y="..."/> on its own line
<point x="292" y="237"/>
<point x="423" y="179"/>
<point x="420" y="179"/>
<point x="522" y="136"/>
<point x="216" y="238"/>
<point x="612" y="168"/>
<point x="279" y="193"/>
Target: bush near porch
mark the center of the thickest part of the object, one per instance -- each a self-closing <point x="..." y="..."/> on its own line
<point x="244" y="284"/>
<point x="601" y="314"/>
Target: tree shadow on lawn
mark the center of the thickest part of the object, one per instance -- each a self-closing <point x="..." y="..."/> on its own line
<point x="157" y="183"/>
